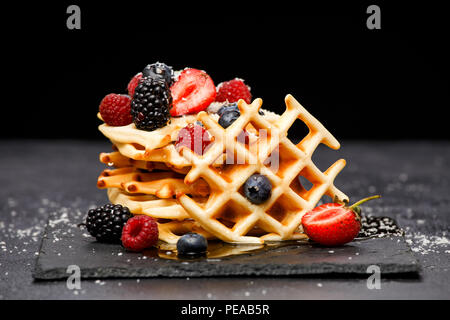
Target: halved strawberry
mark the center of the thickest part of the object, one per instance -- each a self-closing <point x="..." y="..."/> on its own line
<point x="193" y="92"/>
<point x="333" y="224"/>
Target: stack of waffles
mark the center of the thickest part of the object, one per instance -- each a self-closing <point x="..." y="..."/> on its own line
<point x="188" y="192"/>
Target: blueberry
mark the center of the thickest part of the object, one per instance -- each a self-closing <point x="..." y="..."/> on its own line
<point x="192" y="244"/>
<point x="257" y="188"/>
<point x="228" y="117"/>
<point x="159" y="71"/>
<point x="228" y="107"/>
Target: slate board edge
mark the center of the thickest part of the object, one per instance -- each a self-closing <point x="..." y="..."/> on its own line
<point x="179" y="270"/>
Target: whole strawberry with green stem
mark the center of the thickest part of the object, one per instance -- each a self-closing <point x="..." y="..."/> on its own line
<point x="334" y="224"/>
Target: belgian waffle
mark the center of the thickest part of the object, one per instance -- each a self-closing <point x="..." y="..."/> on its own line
<point x="149" y="172"/>
<point x="281" y="214"/>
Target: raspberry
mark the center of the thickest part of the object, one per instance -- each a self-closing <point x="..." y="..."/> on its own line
<point x="233" y="90"/>
<point x="115" y="110"/>
<point x="194" y="137"/>
<point x="139" y="233"/>
<point x="133" y="84"/>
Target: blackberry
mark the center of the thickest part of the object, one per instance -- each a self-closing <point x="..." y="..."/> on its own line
<point x="159" y="71"/>
<point x="151" y="104"/>
<point x="106" y="222"/>
<point x="372" y="226"/>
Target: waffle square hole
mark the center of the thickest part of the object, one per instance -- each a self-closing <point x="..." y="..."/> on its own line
<point x="284" y="209"/>
<point x="304" y="186"/>
<point x="298" y="131"/>
<point x="324" y="199"/>
<point x="250" y="136"/>
<point x="231" y="213"/>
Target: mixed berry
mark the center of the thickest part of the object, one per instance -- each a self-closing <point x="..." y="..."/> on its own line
<point x="372" y="226"/>
<point x="194" y="137"/>
<point x="155" y="94"/>
<point x="334" y="224"/>
<point x="228" y="117"/>
<point x="105" y="223"/>
<point x="192" y="244"/>
<point x="139" y="233"/>
<point x="133" y="84"/>
<point x="233" y="90"/>
<point x="115" y="109"/>
<point x="257" y="188"/>
<point x="159" y="71"/>
<point x="193" y="92"/>
<point x="151" y="104"/>
<point x="116" y="224"/>
<point x="228" y="107"/>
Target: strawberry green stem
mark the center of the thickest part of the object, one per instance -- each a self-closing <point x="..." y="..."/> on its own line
<point x="363" y="200"/>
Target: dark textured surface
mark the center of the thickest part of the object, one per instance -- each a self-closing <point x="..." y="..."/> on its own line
<point x="41" y="179"/>
<point x="100" y="260"/>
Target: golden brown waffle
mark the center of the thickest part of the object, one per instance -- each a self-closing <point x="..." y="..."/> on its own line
<point x="173" y="220"/>
<point x="163" y="184"/>
<point x="147" y="140"/>
<point x="148" y="204"/>
<point x="117" y="160"/>
<point x="152" y="146"/>
<point x="155" y="146"/>
<point x="281" y="214"/>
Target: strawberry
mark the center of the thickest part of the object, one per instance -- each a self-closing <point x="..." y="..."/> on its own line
<point x="334" y="224"/>
<point x="192" y="92"/>
<point x="133" y="84"/>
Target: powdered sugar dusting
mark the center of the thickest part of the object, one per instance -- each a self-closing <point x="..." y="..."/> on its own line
<point x="426" y="244"/>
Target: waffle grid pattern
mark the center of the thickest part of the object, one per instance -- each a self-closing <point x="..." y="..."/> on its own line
<point x="281" y="214"/>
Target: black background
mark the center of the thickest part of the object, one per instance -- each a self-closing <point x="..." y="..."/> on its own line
<point x="361" y="84"/>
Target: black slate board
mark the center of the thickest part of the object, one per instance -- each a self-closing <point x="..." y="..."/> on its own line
<point x="65" y="245"/>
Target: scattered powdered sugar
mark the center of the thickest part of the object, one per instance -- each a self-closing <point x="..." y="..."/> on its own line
<point x="61" y="219"/>
<point x="20" y="236"/>
<point x="99" y="282"/>
<point x="425" y="244"/>
<point x="215" y="106"/>
<point x="176" y="75"/>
